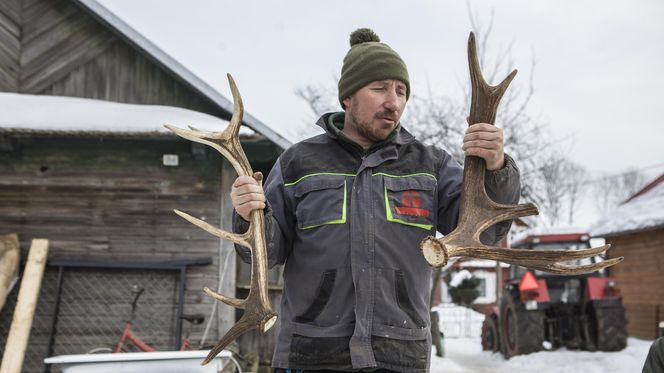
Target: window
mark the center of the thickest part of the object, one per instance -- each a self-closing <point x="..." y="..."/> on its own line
<point x="481" y="287"/>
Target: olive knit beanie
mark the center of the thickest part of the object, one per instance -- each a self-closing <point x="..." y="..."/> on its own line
<point x="369" y="60"/>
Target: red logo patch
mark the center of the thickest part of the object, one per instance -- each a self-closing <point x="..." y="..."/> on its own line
<point x="411" y="204"/>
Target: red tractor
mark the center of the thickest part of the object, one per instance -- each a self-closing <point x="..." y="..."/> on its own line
<point x="540" y="311"/>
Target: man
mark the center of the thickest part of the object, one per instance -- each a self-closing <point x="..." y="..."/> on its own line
<point x="346" y="212"/>
<point x="655" y="360"/>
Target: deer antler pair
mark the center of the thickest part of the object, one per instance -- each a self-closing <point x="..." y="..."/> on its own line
<point x="478" y="212"/>
<point x="258" y="313"/>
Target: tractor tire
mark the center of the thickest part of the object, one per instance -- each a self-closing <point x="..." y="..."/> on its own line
<point x="522" y="330"/>
<point x="490" y="334"/>
<point x="608" y="326"/>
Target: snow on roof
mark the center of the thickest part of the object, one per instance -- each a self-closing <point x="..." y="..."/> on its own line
<point x="170" y="64"/>
<point x="541" y="231"/>
<point x="458" y="277"/>
<point x="643" y="212"/>
<point x="81" y="115"/>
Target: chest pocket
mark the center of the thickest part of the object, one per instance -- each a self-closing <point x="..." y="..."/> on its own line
<point x="320" y="201"/>
<point x="410" y="200"/>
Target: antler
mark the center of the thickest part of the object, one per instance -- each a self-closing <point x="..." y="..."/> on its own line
<point x="478" y="212"/>
<point x="258" y="313"/>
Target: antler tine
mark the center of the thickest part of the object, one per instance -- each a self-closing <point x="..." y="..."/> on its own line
<point x="478" y="212"/>
<point x="505" y="212"/>
<point x="567" y="269"/>
<point x="237" y="303"/>
<point x="489" y="213"/>
<point x="242" y="326"/>
<point x="258" y="311"/>
<point x="483" y="91"/>
<point x="240" y="239"/>
<point x="509" y="254"/>
<point x="238" y="108"/>
<point x="564" y="269"/>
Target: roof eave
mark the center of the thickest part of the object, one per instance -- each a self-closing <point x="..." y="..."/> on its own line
<point x="174" y="67"/>
<point x="26" y="132"/>
<point x="632" y="231"/>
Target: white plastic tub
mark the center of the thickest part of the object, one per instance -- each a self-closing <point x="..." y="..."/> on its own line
<point x="142" y="362"/>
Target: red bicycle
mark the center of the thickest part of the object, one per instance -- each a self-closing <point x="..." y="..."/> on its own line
<point x="128" y="335"/>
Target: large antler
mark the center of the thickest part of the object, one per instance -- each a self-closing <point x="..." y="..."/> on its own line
<point x="478" y="212"/>
<point x="258" y="313"/>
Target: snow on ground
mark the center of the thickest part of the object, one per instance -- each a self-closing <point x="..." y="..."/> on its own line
<point x="465" y="355"/>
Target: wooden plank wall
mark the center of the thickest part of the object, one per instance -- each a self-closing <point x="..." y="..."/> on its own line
<point x="639" y="278"/>
<point x="113" y="199"/>
<point x="54" y="47"/>
<point x="10" y="44"/>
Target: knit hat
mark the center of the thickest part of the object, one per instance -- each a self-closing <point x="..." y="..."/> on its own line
<point x="369" y="60"/>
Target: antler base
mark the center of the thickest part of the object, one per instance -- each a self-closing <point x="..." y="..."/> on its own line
<point x="434" y="252"/>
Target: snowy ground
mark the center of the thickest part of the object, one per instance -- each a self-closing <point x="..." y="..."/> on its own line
<point x="466" y="355"/>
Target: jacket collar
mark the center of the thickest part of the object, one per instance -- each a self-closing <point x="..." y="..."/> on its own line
<point x="402" y="136"/>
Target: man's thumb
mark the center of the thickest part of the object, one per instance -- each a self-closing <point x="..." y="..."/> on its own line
<point x="258" y="176"/>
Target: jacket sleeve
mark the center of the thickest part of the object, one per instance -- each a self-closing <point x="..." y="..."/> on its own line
<point x="502" y="186"/>
<point x="450" y="183"/>
<point x="279" y="221"/>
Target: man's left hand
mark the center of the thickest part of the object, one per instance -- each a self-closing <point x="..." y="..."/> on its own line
<point x="485" y="141"/>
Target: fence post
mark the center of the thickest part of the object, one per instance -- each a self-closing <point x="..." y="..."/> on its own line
<point x="28" y="296"/>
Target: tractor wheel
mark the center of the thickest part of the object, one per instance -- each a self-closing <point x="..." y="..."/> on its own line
<point x="608" y="326"/>
<point x="522" y="330"/>
<point x="490" y="334"/>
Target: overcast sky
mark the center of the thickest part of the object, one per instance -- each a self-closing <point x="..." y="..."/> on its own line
<point x="598" y="79"/>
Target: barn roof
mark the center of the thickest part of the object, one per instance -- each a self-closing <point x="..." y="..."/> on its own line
<point x="83" y="116"/>
<point x="641" y="212"/>
<point x="169" y="64"/>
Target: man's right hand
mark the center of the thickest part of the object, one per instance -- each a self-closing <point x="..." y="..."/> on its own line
<point x="247" y="194"/>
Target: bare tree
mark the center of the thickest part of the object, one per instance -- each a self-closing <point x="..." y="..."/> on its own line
<point x="611" y="190"/>
<point x="577" y="177"/>
<point x="562" y="184"/>
<point x="437" y="120"/>
<point x="321" y="99"/>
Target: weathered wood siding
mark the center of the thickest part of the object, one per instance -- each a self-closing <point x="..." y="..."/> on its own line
<point x="113" y="200"/>
<point x="639" y="278"/>
<point x="110" y="199"/>
<point x="10" y="44"/>
<point x="53" y="47"/>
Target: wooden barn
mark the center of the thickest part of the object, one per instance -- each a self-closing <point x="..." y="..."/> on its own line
<point x="635" y="231"/>
<point x="86" y="163"/>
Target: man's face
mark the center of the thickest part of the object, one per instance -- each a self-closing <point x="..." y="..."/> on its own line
<point x="375" y="109"/>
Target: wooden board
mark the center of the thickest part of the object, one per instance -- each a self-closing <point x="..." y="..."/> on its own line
<point x="19" y="333"/>
<point x="9" y="258"/>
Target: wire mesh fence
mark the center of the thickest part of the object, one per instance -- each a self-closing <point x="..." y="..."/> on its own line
<point x="94" y="306"/>
<point x="457" y="321"/>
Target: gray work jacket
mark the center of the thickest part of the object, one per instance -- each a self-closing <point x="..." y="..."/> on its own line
<point x="347" y="226"/>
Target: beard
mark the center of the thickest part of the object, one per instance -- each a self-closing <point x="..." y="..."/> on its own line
<point x="375" y="132"/>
